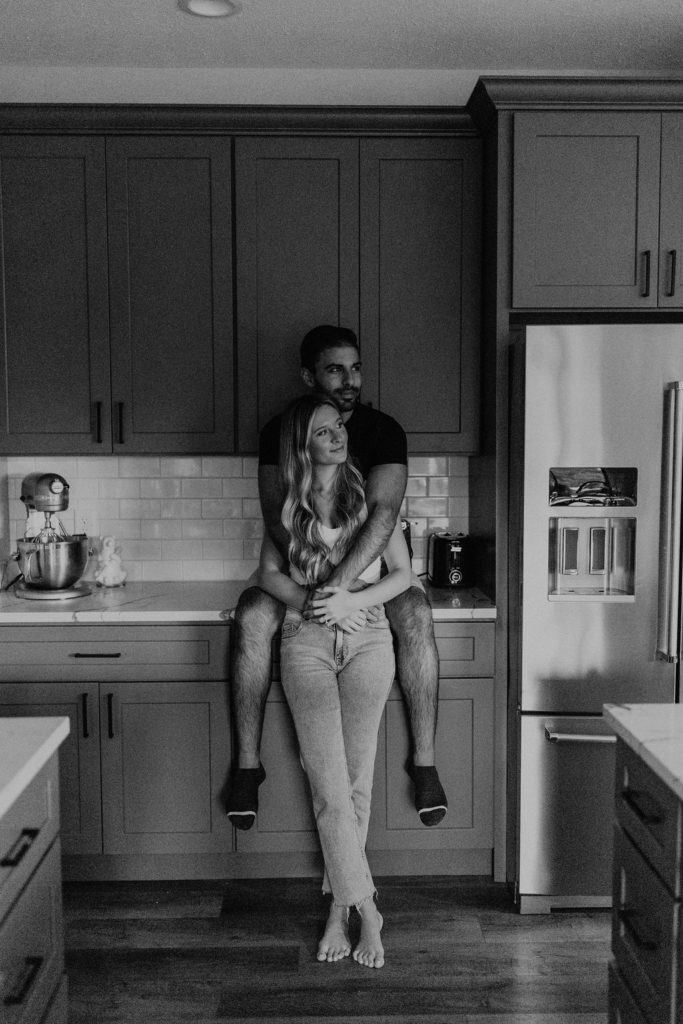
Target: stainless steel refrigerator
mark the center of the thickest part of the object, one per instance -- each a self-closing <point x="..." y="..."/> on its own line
<point x="595" y="584"/>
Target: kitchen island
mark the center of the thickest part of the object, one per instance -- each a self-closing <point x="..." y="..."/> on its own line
<point x="142" y="672"/>
<point x="646" y="975"/>
<point x="32" y="979"/>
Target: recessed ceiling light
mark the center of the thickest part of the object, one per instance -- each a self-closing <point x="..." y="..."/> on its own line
<point x="210" y="8"/>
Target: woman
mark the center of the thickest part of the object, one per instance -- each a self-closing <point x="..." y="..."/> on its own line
<point x="336" y="669"/>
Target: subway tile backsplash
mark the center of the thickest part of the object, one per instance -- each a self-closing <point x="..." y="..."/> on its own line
<point x="198" y="518"/>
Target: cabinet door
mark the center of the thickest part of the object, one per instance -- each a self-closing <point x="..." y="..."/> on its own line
<point x="79" y="754"/>
<point x="420" y="287"/>
<point x="165" y="750"/>
<point x="285" y="818"/>
<point x="170" y="251"/>
<point x="671" y="214"/>
<point x="586" y="209"/>
<point x="464" y="754"/>
<point x="54" y="310"/>
<point x="296" y="225"/>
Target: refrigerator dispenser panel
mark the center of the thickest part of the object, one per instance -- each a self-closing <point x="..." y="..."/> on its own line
<point x="591" y="558"/>
<point x="593" y="485"/>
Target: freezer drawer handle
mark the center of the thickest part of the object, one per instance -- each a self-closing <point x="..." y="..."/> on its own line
<point x="645" y="808"/>
<point x="576" y="737"/>
<point x="627" y="918"/>
<point x="20" y="848"/>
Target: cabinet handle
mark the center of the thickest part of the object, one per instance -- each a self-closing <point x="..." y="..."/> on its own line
<point x="119" y="421"/>
<point x="97" y="654"/>
<point x="646" y="274"/>
<point x="32" y="965"/>
<point x="671" y="257"/>
<point x="627" y="918"/>
<point x="97" y="426"/>
<point x="110" y="715"/>
<point x="645" y="807"/>
<point x="84" y="710"/>
<point x="17" y="852"/>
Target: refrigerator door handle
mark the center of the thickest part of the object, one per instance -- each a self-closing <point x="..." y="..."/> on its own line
<point x="670" y="525"/>
<point x="576" y="737"/>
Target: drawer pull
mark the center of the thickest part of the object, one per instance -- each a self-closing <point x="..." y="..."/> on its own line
<point x="110" y="715"/>
<point x="645" y="807"/>
<point x="84" y="705"/>
<point x="32" y="965"/>
<point x="99" y="654"/>
<point x="23" y="844"/>
<point x="627" y="918"/>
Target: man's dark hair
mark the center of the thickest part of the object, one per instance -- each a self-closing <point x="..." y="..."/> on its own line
<point x="322" y="337"/>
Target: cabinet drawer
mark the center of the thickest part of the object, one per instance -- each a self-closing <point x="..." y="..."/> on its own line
<point x="651" y="814"/>
<point x="26" y="831"/>
<point x="644" y="929"/>
<point x="623" y="1008"/>
<point x="465" y="649"/>
<point x="32" y="946"/>
<point x="51" y="653"/>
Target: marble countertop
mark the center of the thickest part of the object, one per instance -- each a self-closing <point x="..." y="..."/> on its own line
<point x="202" y="601"/>
<point x="26" y="744"/>
<point x="655" y="733"/>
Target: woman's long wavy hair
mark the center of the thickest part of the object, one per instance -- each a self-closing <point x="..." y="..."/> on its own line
<point x="307" y="550"/>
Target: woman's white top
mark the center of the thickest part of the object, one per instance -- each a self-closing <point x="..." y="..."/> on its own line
<point x="330" y="536"/>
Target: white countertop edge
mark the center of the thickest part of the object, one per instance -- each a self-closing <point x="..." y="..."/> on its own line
<point x="27" y="745"/>
<point x="655" y="733"/>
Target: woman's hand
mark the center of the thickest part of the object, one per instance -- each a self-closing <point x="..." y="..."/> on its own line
<point x="334" y="605"/>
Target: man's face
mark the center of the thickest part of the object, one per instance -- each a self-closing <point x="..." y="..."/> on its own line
<point x="337" y="374"/>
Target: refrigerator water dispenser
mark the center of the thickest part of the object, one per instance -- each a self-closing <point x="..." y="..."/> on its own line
<point x="591" y="557"/>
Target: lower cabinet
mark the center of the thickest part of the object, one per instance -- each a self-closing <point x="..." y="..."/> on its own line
<point x="397" y="841"/>
<point x="646" y="975"/>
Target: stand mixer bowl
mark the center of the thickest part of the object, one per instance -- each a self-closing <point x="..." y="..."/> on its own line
<point x="53" y="566"/>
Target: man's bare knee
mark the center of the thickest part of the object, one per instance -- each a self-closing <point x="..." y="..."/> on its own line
<point x="410" y="614"/>
<point x="258" y="617"/>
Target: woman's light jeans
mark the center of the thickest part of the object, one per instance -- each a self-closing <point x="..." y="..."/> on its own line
<point x="336" y="685"/>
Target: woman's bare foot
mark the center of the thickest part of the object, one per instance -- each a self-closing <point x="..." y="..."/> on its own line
<point x="369" y="952"/>
<point x="335" y="943"/>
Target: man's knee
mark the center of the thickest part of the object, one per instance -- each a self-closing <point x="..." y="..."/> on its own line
<point x="410" y="614"/>
<point x="258" y="616"/>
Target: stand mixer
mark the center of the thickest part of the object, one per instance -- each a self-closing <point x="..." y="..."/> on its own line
<point x="51" y="562"/>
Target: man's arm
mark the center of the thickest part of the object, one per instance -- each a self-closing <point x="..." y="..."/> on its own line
<point x="384" y="490"/>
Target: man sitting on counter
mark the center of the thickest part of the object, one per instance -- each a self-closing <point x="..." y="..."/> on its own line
<point x="330" y="363"/>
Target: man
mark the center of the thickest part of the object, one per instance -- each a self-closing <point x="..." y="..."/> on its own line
<point x="330" y="363"/>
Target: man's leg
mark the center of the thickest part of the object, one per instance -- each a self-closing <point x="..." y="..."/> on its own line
<point x="417" y="669"/>
<point x="257" y="619"/>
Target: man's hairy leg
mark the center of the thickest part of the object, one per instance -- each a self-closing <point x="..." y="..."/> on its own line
<point x="417" y="665"/>
<point x="258" y="617"/>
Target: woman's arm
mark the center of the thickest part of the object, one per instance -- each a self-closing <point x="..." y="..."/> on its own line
<point x="272" y="578"/>
<point x="336" y="603"/>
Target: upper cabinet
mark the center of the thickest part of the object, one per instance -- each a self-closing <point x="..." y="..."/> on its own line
<point x="380" y="235"/>
<point x="586" y="194"/>
<point x="420" y="286"/>
<point x="116" y="295"/>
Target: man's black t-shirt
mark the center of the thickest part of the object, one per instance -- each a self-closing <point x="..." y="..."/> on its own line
<point x="375" y="439"/>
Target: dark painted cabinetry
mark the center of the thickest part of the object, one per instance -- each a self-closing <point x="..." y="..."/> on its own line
<point x="383" y="236"/>
<point x="596" y="221"/>
<point x="116" y="295"/>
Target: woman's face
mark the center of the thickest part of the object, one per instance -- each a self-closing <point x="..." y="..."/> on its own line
<point x="329" y="442"/>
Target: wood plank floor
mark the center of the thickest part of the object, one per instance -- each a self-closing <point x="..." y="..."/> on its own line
<point x="244" y="951"/>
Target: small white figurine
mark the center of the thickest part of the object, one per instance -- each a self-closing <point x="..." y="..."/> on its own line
<point x="110" y="572"/>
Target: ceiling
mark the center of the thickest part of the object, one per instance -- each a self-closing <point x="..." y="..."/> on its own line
<point x="483" y="35"/>
<point x="408" y="51"/>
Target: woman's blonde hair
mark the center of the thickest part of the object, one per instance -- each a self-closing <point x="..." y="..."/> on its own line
<point x="307" y="550"/>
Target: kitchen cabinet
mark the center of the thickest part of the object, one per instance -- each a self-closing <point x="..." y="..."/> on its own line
<point x="645" y="977"/>
<point x="380" y="235"/>
<point x="150" y="739"/>
<point x="462" y="843"/>
<point x="586" y="192"/>
<point x="116" y="294"/>
<point x="33" y="984"/>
